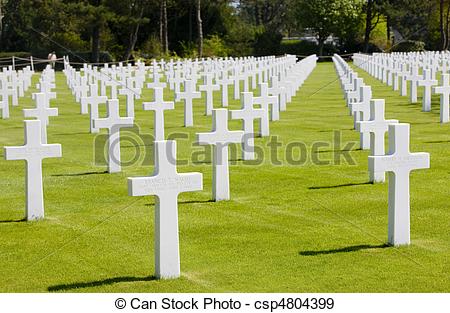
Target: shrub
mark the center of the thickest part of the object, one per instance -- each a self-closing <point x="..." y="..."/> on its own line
<point x="303" y="47"/>
<point x="188" y="50"/>
<point x="267" y="43"/>
<point x="409" y="45"/>
<point x="151" y="48"/>
<point x="214" y="46"/>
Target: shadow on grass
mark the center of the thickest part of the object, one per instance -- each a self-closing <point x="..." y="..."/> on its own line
<point x="137" y="146"/>
<point x="424" y="123"/>
<point x="196" y="201"/>
<point x="337" y="150"/>
<point x="13" y="221"/>
<point x="187" y="202"/>
<point x="332" y="130"/>
<point x="71" y="134"/>
<point x="340" y="186"/>
<point x="80" y="174"/>
<point x="438" y="141"/>
<point x="98" y="283"/>
<point x="342" y="250"/>
<point x="210" y="162"/>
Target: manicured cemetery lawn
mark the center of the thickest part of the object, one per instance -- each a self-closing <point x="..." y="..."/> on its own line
<point x="288" y="228"/>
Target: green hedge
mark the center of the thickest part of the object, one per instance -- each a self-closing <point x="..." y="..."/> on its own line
<point x="85" y="57"/>
<point x="298" y="47"/>
<point x="15" y="54"/>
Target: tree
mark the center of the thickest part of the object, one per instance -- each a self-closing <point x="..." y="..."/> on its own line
<point x="200" y="28"/>
<point x="325" y="17"/>
<point x="270" y="14"/>
<point x="163" y="31"/>
<point x="441" y="24"/>
<point x="411" y="18"/>
<point x="134" y="17"/>
<point x="444" y="12"/>
<point x="373" y="10"/>
<point x="2" y="3"/>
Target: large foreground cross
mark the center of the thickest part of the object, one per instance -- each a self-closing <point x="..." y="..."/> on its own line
<point x="399" y="162"/>
<point x="166" y="184"/>
<point x="33" y="152"/>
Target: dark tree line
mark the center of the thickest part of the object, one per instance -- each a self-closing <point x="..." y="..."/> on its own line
<point x="189" y="28"/>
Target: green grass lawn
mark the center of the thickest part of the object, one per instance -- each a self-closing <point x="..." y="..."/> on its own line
<point x="288" y="228"/>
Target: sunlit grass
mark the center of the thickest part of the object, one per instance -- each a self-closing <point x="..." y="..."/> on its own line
<point x="289" y="227"/>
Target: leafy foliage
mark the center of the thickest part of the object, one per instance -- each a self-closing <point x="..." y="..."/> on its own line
<point x="409" y="45"/>
<point x="134" y="28"/>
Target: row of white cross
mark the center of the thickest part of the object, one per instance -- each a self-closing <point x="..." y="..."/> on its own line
<point x="165" y="183"/>
<point x="182" y="78"/>
<point x="36" y="148"/>
<point x="13" y="84"/>
<point x="420" y="70"/>
<point x="398" y="162"/>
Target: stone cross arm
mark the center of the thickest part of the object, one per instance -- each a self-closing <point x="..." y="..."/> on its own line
<point x="399" y="159"/>
<point x="29" y="152"/>
<point x="374" y="126"/>
<point x="33" y="148"/>
<point x="246" y="114"/>
<point x="405" y="164"/>
<point x="165" y="180"/>
<point x="111" y="124"/>
<point x="220" y="138"/>
<point x="220" y="134"/>
<point x="163" y="184"/>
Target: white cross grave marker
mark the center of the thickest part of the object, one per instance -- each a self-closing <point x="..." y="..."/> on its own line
<point x="156" y="82"/>
<point x="264" y="100"/>
<point x="224" y="82"/>
<point x="237" y="82"/>
<point x="42" y="112"/>
<point x="4" y="93"/>
<point x="427" y="82"/>
<point x="248" y="114"/>
<point x="444" y="91"/>
<point x="209" y="89"/>
<point x="354" y="94"/>
<point x="399" y="162"/>
<point x="166" y="184"/>
<point x="33" y="152"/>
<point x="377" y="126"/>
<point x="188" y="95"/>
<point x="403" y="74"/>
<point x="113" y="123"/>
<point x="414" y="77"/>
<point x="220" y="137"/>
<point x="94" y="101"/>
<point x="159" y="106"/>
<point x="82" y="91"/>
<point x="131" y="94"/>
<point x="361" y="112"/>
